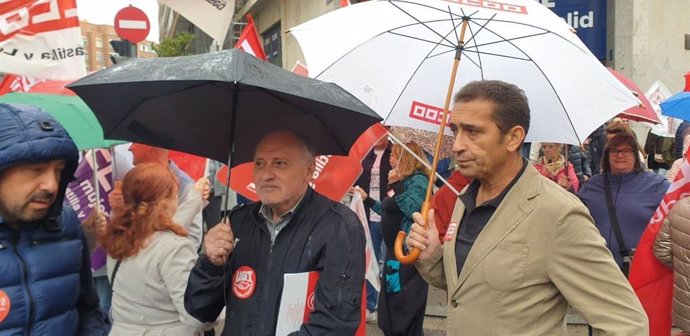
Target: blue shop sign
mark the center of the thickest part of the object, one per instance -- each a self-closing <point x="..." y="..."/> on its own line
<point x="588" y="17"/>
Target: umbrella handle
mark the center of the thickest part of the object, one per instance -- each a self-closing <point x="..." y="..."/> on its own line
<point x="400" y="239"/>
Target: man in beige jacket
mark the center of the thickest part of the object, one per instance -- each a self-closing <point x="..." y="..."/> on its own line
<point x="519" y="248"/>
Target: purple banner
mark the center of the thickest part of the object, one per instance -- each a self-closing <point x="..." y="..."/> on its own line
<point x="81" y="193"/>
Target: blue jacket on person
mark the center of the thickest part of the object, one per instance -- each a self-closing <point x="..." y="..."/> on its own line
<point x="46" y="287"/>
<point x="636" y="196"/>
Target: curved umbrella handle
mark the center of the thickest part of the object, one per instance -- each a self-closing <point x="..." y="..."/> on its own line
<point x="400" y="239"/>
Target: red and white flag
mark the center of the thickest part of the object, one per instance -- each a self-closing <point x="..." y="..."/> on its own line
<point x="300" y="69"/>
<point x="14" y="83"/>
<point x="41" y="38"/>
<point x="344" y="3"/>
<point x="213" y="17"/>
<point x="652" y="281"/>
<point x="250" y="41"/>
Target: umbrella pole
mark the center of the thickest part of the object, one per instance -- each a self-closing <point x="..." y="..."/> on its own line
<point x="235" y="97"/>
<point x="426" y="206"/>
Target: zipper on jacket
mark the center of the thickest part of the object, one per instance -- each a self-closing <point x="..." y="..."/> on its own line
<point x="25" y="281"/>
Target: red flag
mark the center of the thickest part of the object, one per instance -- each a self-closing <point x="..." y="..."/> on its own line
<point x="193" y="165"/>
<point x="250" y="41"/>
<point x="41" y="38"/>
<point x="333" y="176"/>
<point x="652" y="281"/>
<point x="14" y="83"/>
<point x="344" y="3"/>
<point x="300" y="69"/>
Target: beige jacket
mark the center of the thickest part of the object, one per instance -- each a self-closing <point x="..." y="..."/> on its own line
<point x="539" y="252"/>
<point x="672" y="248"/>
<point x="148" y="293"/>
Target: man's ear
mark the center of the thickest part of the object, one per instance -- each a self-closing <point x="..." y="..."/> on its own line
<point x="514" y="138"/>
<point x="310" y="170"/>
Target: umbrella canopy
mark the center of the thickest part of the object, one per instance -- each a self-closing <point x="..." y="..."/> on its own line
<point x="644" y="111"/>
<point x="215" y="103"/>
<point x="678" y="105"/>
<point x="71" y="112"/>
<point x="400" y="60"/>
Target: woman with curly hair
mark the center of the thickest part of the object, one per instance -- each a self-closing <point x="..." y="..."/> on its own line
<point x="149" y="257"/>
<point x="402" y="300"/>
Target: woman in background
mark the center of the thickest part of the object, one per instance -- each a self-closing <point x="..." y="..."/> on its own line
<point x="555" y="167"/>
<point x="402" y="300"/>
<point x="149" y="256"/>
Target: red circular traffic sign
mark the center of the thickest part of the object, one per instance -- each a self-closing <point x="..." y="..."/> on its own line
<point x="132" y="24"/>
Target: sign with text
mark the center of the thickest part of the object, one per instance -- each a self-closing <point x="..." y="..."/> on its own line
<point x="587" y="17"/>
<point x="81" y="193"/>
<point x="41" y="38"/>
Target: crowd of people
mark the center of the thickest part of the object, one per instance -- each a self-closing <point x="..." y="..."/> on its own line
<point x="535" y="228"/>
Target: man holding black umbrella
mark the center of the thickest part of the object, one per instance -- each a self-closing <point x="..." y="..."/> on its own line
<point x="292" y="229"/>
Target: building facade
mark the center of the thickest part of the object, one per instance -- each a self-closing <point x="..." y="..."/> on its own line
<point x="97" y="49"/>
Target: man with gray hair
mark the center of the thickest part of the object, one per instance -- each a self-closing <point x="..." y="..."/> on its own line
<point x="292" y="229"/>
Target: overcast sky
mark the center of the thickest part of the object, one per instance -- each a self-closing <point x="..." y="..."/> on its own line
<point x="103" y="12"/>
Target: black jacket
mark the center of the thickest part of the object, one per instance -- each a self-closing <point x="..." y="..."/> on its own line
<point x="364" y="180"/>
<point x="322" y="236"/>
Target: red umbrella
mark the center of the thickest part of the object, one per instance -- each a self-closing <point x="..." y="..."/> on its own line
<point x="644" y="111"/>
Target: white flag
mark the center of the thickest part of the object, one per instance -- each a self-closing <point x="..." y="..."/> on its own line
<point x="656" y="94"/>
<point x="212" y="16"/>
<point x="41" y="38"/>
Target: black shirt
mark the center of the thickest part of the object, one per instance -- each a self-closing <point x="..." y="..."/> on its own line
<point x="475" y="217"/>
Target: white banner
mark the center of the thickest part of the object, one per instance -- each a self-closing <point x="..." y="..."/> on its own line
<point x="41" y="38"/>
<point x="656" y="94"/>
<point x="212" y="16"/>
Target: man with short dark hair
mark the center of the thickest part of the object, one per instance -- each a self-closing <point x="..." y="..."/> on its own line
<point x="519" y="248"/>
<point x="292" y="229"/>
<point x="46" y="285"/>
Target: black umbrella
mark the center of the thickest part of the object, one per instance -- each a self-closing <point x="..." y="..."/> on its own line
<point x="219" y="105"/>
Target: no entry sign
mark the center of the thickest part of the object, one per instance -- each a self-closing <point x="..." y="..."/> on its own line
<point x="132" y="24"/>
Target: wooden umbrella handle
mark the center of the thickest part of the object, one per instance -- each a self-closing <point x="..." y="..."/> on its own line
<point x="426" y="206"/>
<point x="400" y="239"/>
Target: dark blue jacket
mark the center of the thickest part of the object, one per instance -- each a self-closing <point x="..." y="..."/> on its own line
<point x="322" y="236"/>
<point x="678" y="149"/>
<point x="580" y="161"/>
<point x="635" y="196"/>
<point x="45" y="269"/>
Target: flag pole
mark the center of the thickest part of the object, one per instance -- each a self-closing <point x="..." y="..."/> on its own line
<point x="94" y="167"/>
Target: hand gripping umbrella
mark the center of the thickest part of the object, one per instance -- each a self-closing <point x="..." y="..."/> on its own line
<point x="397" y="62"/>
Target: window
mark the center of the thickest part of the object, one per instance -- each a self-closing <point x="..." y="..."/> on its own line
<point x="99" y="58"/>
<point x="145" y="48"/>
<point x="272" y="45"/>
<point x="99" y="42"/>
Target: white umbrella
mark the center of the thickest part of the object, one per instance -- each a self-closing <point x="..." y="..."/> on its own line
<point x="397" y="56"/>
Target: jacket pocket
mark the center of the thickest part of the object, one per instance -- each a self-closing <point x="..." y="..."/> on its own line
<point x="504" y="267"/>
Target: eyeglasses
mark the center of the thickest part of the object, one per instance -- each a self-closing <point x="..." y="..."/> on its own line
<point x="625" y="152"/>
